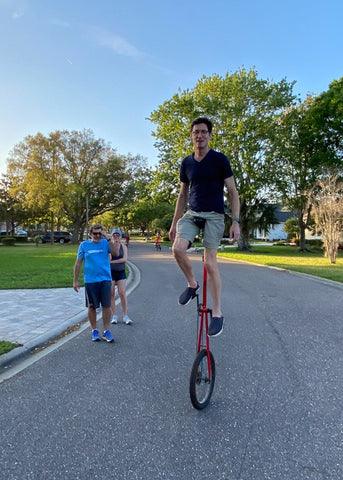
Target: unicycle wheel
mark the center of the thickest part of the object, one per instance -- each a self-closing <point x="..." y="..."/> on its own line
<point x="200" y="383"/>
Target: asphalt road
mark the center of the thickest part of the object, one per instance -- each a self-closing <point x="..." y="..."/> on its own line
<point x="96" y="410"/>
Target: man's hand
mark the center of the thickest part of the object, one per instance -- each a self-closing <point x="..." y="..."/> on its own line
<point x="106" y="236"/>
<point x="234" y="232"/>
<point x="76" y="286"/>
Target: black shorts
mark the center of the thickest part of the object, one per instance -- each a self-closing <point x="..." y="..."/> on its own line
<point x="118" y="275"/>
<point x="98" y="293"/>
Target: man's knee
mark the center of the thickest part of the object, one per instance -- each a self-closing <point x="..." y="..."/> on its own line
<point x="211" y="263"/>
<point x="180" y="247"/>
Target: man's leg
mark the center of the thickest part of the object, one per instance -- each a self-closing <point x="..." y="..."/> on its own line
<point x="105" y="300"/>
<point x="180" y="247"/>
<point x="106" y="317"/>
<point x="210" y="259"/>
<point x="92" y="317"/>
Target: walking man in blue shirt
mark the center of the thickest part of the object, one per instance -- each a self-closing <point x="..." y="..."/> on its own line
<point x="203" y="176"/>
<point x="97" y="275"/>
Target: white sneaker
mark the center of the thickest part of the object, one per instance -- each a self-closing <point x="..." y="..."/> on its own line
<point x="114" y="319"/>
<point x="127" y="320"/>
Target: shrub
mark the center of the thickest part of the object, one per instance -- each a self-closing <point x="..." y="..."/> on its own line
<point x="20" y="239"/>
<point x="315" y="242"/>
<point x="8" y="241"/>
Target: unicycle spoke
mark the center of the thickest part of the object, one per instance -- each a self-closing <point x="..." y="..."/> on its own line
<point x="202" y="379"/>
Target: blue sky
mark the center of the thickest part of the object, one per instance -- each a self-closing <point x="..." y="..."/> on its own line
<point x="107" y="64"/>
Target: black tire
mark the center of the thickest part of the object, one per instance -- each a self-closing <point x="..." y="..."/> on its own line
<point x="61" y="240"/>
<point x="200" y="386"/>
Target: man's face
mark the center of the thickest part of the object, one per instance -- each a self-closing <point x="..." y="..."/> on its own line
<point x="96" y="235"/>
<point x="200" y="136"/>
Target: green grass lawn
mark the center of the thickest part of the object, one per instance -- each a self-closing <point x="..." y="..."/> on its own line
<point x="45" y="266"/>
<point x="290" y="258"/>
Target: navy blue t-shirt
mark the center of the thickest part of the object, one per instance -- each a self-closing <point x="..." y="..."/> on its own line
<point x="206" y="181"/>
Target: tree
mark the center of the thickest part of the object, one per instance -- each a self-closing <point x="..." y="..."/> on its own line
<point x="71" y="175"/>
<point x="292" y="150"/>
<point x="142" y="213"/>
<point x="325" y="119"/>
<point x="243" y="109"/>
<point x="291" y="227"/>
<point x="326" y="198"/>
<point x="10" y="211"/>
<point x="307" y="142"/>
<point x="36" y="174"/>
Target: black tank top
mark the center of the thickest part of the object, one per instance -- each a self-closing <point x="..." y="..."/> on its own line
<point x="118" y="267"/>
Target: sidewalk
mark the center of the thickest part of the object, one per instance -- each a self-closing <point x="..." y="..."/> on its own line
<point x="32" y="318"/>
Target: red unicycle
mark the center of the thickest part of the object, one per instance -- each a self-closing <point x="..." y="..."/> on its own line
<point x="203" y="374"/>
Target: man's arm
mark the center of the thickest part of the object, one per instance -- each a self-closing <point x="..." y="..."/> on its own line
<point x="235" y="207"/>
<point x="114" y="246"/>
<point x="180" y="208"/>
<point x="124" y="257"/>
<point x="77" y="268"/>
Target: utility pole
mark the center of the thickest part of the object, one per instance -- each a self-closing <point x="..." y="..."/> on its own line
<point x="87" y="215"/>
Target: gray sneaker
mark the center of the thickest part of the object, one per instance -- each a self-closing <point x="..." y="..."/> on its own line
<point x="216" y="326"/>
<point x="188" y="294"/>
<point x="114" y="319"/>
<point x="127" y="320"/>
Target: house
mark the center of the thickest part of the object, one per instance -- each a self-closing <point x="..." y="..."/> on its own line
<point x="276" y="231"/>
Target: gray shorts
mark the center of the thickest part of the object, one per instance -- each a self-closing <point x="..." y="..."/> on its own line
<point x="213" y="232"/>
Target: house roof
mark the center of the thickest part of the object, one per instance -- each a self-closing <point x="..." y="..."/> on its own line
<point x="281" y="214"/>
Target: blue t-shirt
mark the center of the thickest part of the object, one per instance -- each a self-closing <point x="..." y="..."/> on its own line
<point x="206" y="181"/>
<point x="96" y="260"/>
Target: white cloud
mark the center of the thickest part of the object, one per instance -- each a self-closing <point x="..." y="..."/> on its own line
<point x="60" y="23"/>
<point x="16" y="8"/>
<point x="117" y="43"/>
<point x="18" y="14"/>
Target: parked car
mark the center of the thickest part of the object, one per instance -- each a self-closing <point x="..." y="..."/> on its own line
<point x="59" y="237"/>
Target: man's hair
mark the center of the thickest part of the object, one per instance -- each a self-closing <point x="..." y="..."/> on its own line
<point x="205" y="120"/>
<point x="95" y="227"/>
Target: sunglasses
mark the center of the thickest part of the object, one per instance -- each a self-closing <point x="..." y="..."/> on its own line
<point x="96" y="233"/>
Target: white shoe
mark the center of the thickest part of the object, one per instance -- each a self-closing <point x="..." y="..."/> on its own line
<point x="114" y="319"/>
<point x="127" y="320"/>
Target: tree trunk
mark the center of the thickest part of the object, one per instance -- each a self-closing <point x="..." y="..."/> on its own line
<point x="302" y="240"/>
<point x="243" y="244"/>
<point x="77" y="228"/>
<point x="52" y="228"/>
